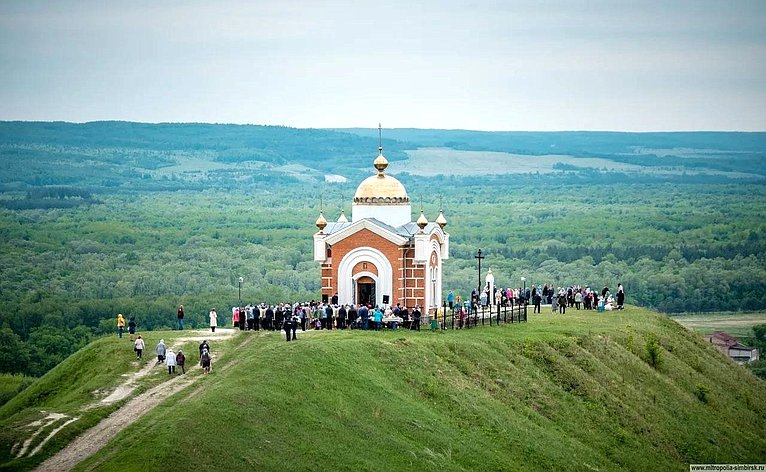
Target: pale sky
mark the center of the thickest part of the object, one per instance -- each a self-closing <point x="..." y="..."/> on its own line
<point x="489" y="65"/>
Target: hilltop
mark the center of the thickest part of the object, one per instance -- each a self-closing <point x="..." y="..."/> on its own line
<point x="630" y="390"/>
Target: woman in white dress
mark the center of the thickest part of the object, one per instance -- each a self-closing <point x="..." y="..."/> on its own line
<point x="213" y="320"/>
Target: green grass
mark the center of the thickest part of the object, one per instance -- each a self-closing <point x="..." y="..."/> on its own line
<point x="736" y="324"/>
<point x="75" y="387"/>
<point x="572" y="392"/>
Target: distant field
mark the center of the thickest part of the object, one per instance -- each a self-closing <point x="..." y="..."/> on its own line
<point x="737" y="324"/>
<point x="429" y="162"/>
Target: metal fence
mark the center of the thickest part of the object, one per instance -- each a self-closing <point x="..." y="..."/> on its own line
<point x="477" y="315"/>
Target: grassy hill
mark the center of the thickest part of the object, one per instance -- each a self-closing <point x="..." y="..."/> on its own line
<point x="565" y="392"/>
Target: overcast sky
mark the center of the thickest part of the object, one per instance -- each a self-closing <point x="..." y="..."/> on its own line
<point x="490" y="65"/>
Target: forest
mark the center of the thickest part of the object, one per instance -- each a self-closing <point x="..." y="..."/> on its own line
<point x="113" y="217"/>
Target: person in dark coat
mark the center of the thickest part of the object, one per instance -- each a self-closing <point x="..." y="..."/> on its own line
<point x="364" y="315"/>
<point x="620" y="297"/>
<point x="342" y="317"/>
<point x="287" y="327"/>
<point x="302" y="317"/>
<point x="351" y="315"/>
<point x="328" y="317"/>
<point x="294" y="325"/>
<point x="404" y="314"/>
<point x="416" y="318"/>
<point x="287" y="312"/>
<point x="132" y="327"/>
<point x="181" y="360"/>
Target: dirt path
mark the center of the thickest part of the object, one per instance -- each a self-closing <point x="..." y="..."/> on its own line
<point x="92" y="440"/>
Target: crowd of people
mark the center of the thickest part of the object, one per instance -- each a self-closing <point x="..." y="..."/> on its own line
<point x="577" y="296"/>
<point x="559" y="298"/>
<point x="289" y="317"/>
<point x="172" y="359"/>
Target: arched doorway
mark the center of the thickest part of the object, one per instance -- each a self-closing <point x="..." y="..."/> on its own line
<point x="365" y="290"/>
<point x="348" y="280"/>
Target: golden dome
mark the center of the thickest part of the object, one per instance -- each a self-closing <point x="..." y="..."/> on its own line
<point x="321" y="222"/>
<point x="342" y="218"/>
<point x="381" y="189"/>
<point x="441" y="220"/>
<point x="422" y="220"/>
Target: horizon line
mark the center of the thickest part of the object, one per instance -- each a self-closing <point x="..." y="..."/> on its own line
<point x="221" y="123"/>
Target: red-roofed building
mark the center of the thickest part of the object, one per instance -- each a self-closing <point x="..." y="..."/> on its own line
<point x="731" y="346"/>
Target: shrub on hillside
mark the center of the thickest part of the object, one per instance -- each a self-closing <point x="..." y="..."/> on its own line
<point x="653" y="351"/>
<point x="702" y="392"/>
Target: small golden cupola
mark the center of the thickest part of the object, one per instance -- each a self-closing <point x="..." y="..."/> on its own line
<point x="422" y="221"/>
<point x="342" y="218"/>
<point x="321" y="222"/>
<point x="441" y="220"/>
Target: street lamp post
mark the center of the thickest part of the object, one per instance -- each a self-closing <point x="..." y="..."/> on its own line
<point x="524" y="279"/>
<point x="241" y="279"/>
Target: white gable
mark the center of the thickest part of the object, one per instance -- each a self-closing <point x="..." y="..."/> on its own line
<point x="370" y="225"/>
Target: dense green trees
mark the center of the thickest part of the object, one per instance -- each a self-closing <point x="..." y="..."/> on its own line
<point x="104" y="218"/>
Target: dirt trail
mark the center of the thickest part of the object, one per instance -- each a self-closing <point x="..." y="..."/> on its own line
<point x="126" y="388"/>
<point x="98" y="436"/>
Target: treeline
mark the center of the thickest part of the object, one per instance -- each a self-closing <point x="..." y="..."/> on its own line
<point x="568" y="253"/>
<point x="108" y="218"/>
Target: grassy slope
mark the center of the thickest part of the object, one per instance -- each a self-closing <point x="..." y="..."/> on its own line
<point x="570" y="392"/>
<point x="79" y="381"/>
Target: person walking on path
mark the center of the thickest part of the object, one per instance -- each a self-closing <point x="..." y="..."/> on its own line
<point x="170" y="361"/>
<point x="139" y="347"/>
<point x="160" y="350"/>
<point x="120" y="325"/>
<point x="213" y="320"/>
<point x="205" y="361"/>
<point x="203" y="346"/>
<point x="132" y="327"/>
<point x="180" y="313"/>
<point x="181" y="360"/>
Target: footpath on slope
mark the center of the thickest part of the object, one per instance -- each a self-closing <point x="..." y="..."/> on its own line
<point x="92" y="440"/>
